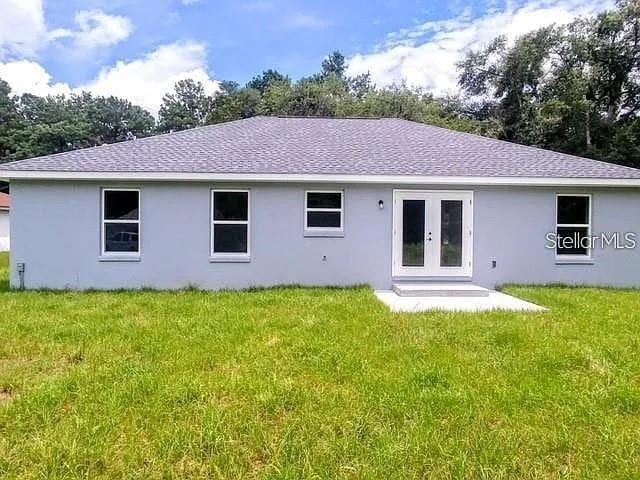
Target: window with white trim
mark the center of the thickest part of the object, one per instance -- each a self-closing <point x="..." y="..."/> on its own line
<point x="229" y="223"/>
<point x="573" y="225"/>
<point x="324" y="210"/>
<point x="120" y="221"/>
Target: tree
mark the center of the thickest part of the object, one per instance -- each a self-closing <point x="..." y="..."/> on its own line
<point x="51" y="124"/>
<point x="268" y="78"/>
<point x="574" y="88"/>
<point x="360" y="85"/>
<point x="9" y="120"/>
<point x="311" y="98"/>
<point x="32" y="125"/>
<point x="234" y="104"/>
<point x="187" y="107"/>
<point x="334" y="64"/>
<point x="512" y="75"/>
<point x="114" y="119"/>
<point x="228" y="87"/>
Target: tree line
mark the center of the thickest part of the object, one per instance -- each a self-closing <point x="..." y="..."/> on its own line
<point x="32" y="125"/>
<point x="573" y="88"/>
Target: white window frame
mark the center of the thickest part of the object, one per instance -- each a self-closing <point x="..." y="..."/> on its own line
<point x="230" y="256"/>
<point x="307" y="209"/>
<point x="569" y="257"/>
<point x="103" y="222"/>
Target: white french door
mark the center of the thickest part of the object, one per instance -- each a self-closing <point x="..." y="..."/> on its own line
<point x="432" y="233"/>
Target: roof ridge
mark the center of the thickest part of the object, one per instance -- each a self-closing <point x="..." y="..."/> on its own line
<point x="326" y="117"/>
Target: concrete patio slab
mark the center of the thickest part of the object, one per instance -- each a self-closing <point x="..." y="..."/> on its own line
<point x="494" y="301"/>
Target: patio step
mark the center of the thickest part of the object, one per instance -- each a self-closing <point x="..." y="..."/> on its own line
<point x="429" y="289"/>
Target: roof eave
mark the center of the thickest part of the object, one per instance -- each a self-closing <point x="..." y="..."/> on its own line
<point x="10" y="175"/>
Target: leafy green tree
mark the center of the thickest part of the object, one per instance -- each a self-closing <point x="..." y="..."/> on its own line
<point x="51" y="124"/>
<point x="311" y="98"/>
<point x="228" y="87"/>
<point x="234" y="104"/>
<point x="360" y="85"/>
<point x="334" y="64"/>
<point x="9" y="120"/>
<point x="186" y="107"/>
<point x="268" y="78"/>
<point x="574" y="89"/>
<point x="33" y="125"/>
<point x="114" y="119"/>
<point x="512" y="75"/>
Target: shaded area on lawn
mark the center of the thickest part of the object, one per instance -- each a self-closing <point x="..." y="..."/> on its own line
<point x="302" y="383"/>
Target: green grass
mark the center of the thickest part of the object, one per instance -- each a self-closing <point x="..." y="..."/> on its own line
<point x="316" y="383"/>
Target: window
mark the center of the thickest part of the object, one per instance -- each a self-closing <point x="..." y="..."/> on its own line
<point x="121" y="222"/>
<point x="230" y="223"/>
<point x="324" y="211"/>
<point x="573" y="225"/>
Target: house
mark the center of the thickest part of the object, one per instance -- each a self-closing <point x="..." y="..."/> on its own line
<point x="5" y="205"/>
<point x="316" y="201"/>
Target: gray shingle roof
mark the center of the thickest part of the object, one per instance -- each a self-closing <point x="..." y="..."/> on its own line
<point x="275" y="145"/>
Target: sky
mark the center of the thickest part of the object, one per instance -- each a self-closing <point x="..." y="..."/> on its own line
<point x="139" y="49"/>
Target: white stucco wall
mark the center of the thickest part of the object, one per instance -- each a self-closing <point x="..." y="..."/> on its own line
<point x="56" y="233"/>
<point x="4" y="230"/>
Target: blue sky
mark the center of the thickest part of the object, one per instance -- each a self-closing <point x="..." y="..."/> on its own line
<point x="137" y="49"/>
<point x="245" y="37"/>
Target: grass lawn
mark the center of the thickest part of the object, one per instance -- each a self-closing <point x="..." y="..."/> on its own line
<point x="316" y="383"/>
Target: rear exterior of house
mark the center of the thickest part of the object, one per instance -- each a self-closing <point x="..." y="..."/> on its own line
<point x="272" y="201"/>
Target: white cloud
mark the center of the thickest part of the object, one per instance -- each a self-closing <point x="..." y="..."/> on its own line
<point x="26" y="76"/>
<point x="143" y="81"/>
<point x="23" y="30"/>
<point x="190" y="2"/>
<point x="426" y="55"/>
<point x="304" y="20"/>
<point x="22" y="27"/>
<point x="96" y="29"/>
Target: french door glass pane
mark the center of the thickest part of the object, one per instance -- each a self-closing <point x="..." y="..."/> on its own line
<point x="451" y="233"/>
<point x="413" y="233"/>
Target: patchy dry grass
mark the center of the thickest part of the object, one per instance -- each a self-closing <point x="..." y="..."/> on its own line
<point x="316" y="383"/>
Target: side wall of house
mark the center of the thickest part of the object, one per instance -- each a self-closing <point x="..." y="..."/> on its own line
<point x="4" y="230"/>
<point x="56" y="233"/>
